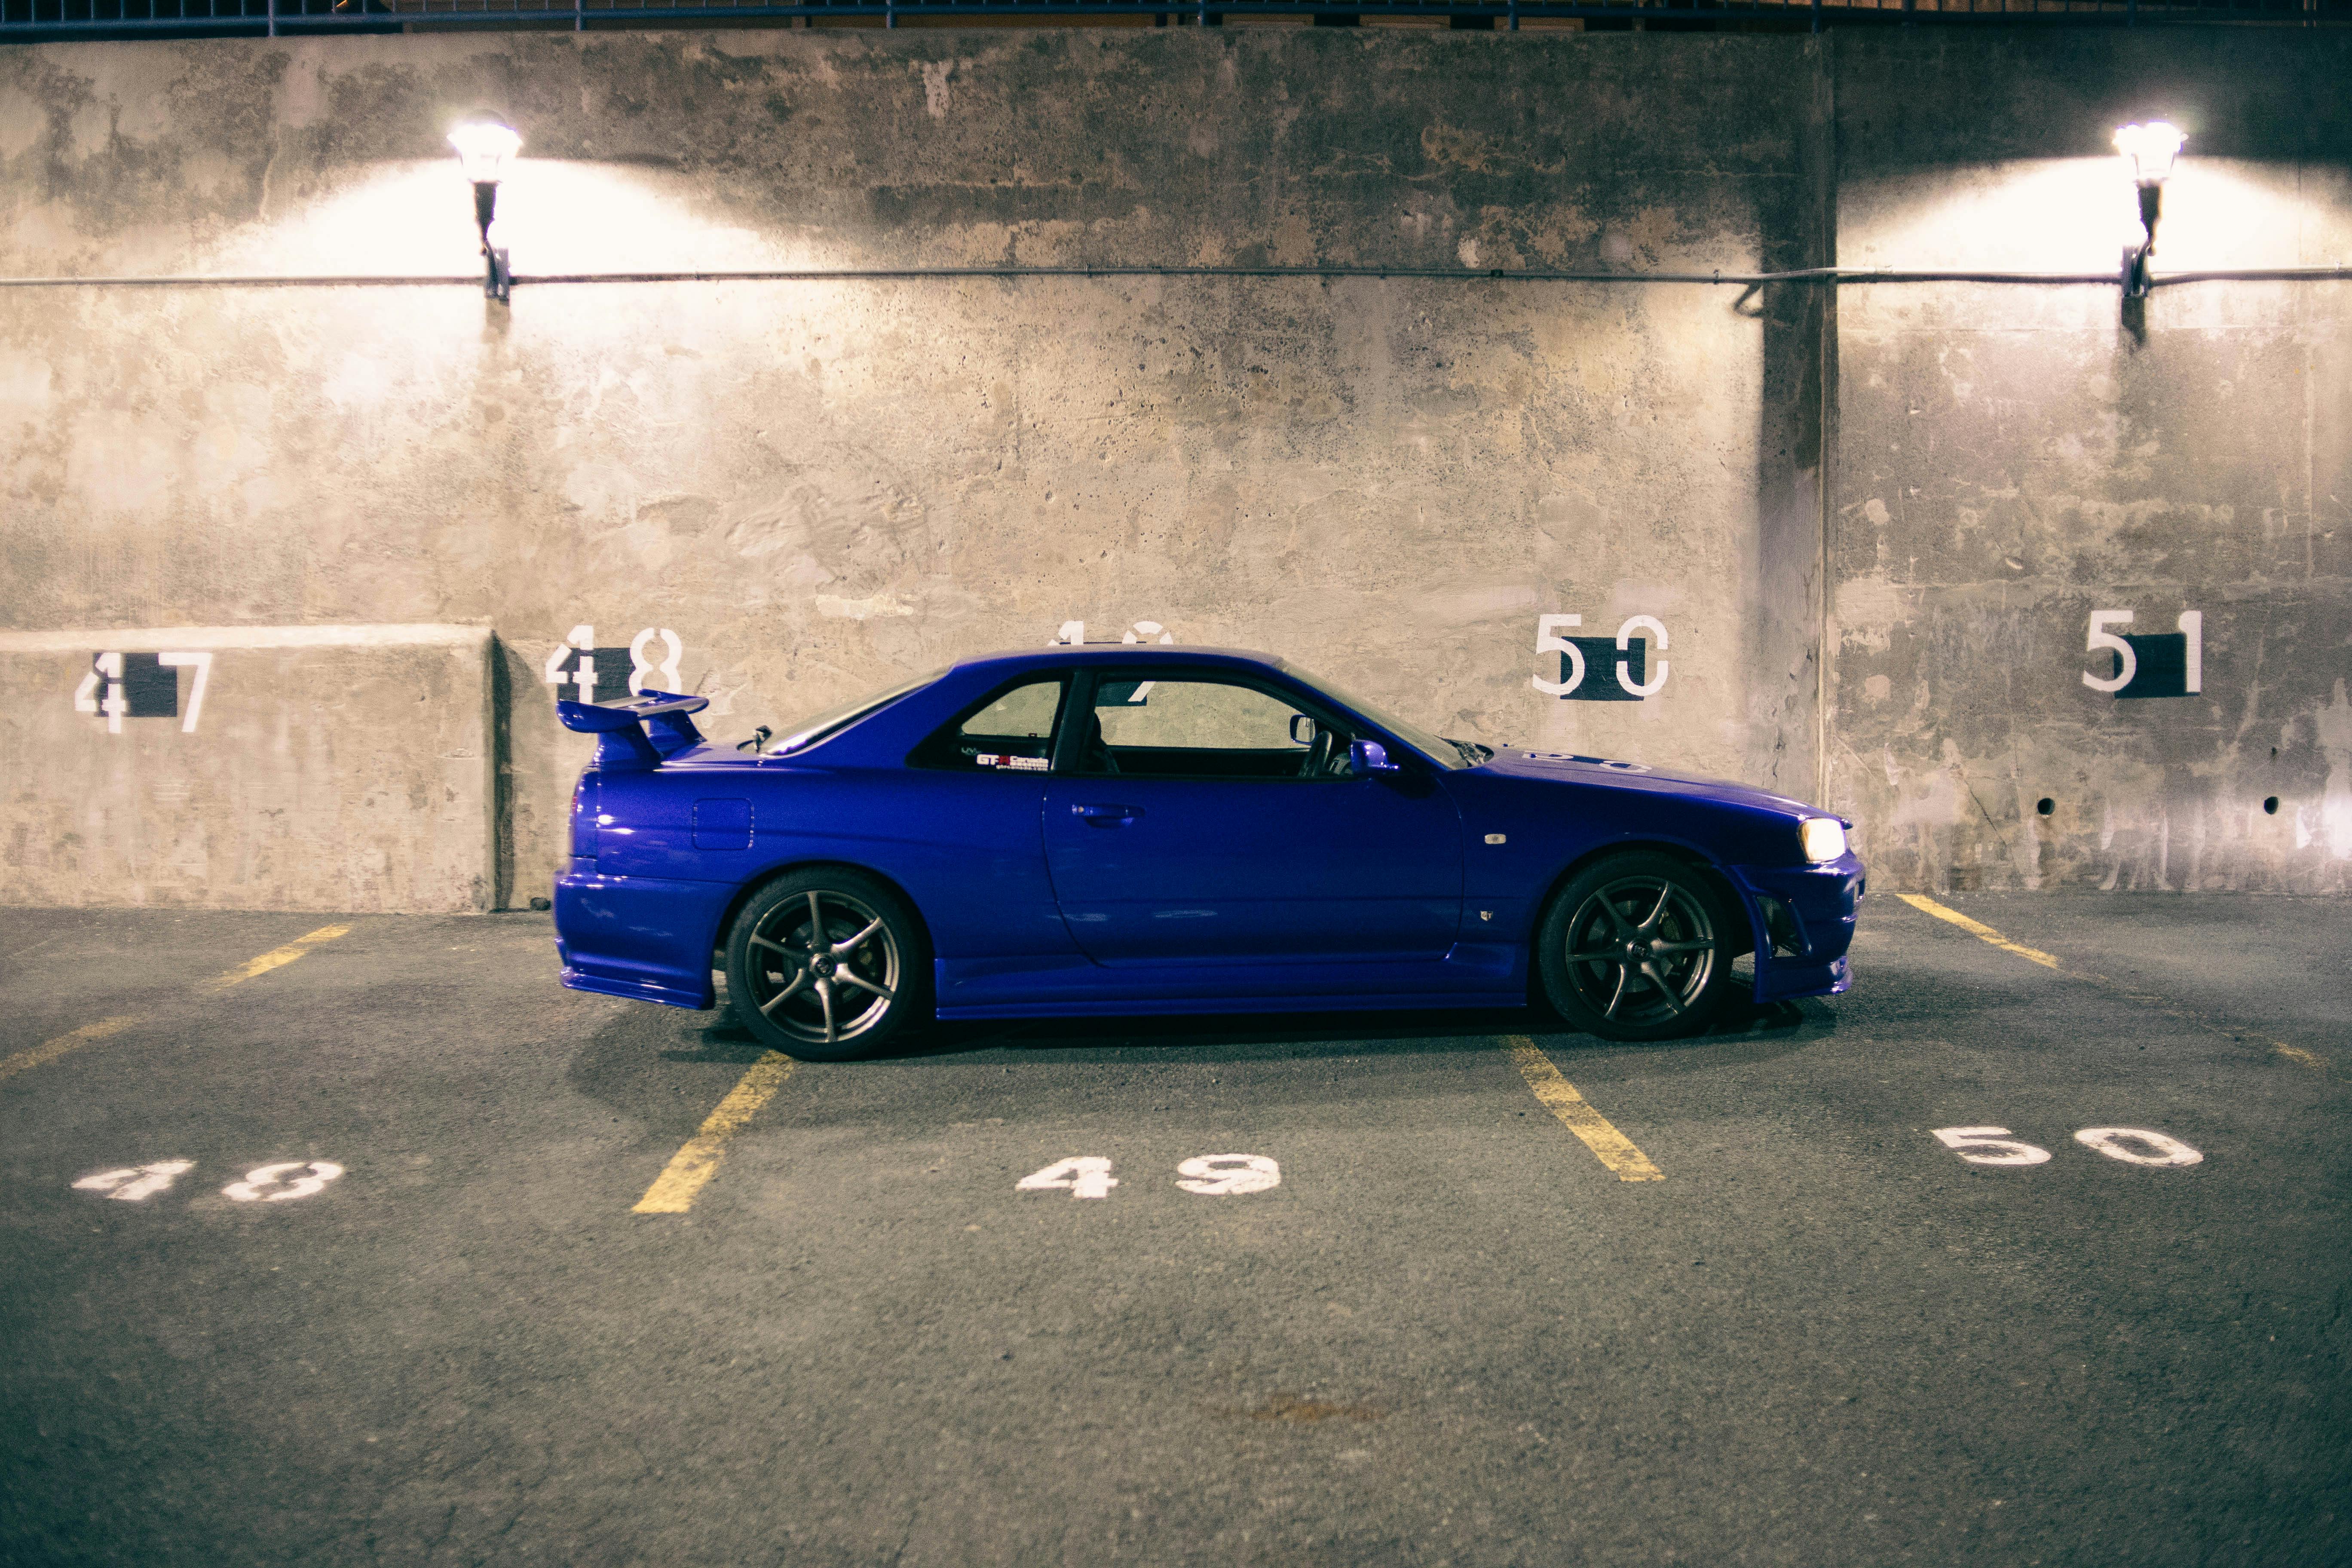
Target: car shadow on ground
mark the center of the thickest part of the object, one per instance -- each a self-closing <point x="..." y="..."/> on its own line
<point x="723" y="1038"/>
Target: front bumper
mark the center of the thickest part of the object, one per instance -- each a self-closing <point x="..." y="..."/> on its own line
<point x="1803" y="951"/>
<point x="643" y="938"/>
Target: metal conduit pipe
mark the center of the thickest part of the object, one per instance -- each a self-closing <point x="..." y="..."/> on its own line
<point x="898" y="274"/>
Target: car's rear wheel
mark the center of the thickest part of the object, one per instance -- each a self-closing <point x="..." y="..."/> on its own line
<point x="1638" y="947"/>
<point x="826" y="965"/>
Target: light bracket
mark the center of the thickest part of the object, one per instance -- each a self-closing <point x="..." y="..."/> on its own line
<point x="2151" y="148"/>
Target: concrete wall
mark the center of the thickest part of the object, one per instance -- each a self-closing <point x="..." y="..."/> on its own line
<point x="2010" y="460"/>
<point x="817" y="487"/>
<point x="248" y="767"/>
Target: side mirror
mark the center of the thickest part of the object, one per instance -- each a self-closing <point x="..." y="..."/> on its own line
<point x="1302" y="729"/>
<point x="1366" y="758"/>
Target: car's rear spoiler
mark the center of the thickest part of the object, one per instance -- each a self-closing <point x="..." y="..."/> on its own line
<point x="639" y="733"/>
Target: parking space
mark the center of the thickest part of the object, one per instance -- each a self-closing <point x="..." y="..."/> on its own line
<point x="372" y="1254"/>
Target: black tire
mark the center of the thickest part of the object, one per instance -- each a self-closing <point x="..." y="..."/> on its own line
<point x="869" y="986"/>
<point x="1639" y="947"/>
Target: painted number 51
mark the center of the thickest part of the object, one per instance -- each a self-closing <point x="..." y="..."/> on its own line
<point x="2153" y="664"/>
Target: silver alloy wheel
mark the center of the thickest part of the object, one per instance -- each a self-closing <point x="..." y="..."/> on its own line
<point x="1641" y="950"/>
<point x="823" y="967"/>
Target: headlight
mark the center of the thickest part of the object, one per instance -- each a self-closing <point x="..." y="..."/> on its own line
<point x="1821" y="838"/>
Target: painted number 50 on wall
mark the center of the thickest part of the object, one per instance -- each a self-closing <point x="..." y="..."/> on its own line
<point x="1600" y="670"/>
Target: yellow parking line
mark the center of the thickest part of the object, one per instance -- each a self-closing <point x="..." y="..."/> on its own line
<point x="1559" y="1095"/>
<point x="673" y="1191"/>
<point x="276" y="958"/>
<point x="50" y="1050"/>
<point x="1980" y="929"/>
<point x="72" y="1040"/>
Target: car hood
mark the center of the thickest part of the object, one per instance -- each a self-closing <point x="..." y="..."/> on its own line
<point x="1569" y="767"/>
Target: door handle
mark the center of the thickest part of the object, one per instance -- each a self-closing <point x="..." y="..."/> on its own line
<point x="1106" y="815"/>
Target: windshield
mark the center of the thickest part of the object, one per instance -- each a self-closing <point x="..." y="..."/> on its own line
<point x="1445" y="754"/>
<point x="808" y="732"/>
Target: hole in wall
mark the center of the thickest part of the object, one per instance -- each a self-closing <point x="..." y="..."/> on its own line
<point x="2045" y="805"/>
<point x="2270" y="805"/>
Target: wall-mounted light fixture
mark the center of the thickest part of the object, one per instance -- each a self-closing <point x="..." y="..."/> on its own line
<point x="483" y="148"/>
<point x="2151" y="149"/>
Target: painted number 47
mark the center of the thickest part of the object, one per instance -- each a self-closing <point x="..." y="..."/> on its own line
<point x="122" y="685"/>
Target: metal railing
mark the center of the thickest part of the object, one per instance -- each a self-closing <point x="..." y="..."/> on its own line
<point x="33" y="20"/>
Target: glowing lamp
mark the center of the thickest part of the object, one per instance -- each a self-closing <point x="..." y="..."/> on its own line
<point x="2151" y="149"/>
<point x="485" y="145"/>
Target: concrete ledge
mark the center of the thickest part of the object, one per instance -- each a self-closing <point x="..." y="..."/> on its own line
<point x="333" y="768"/>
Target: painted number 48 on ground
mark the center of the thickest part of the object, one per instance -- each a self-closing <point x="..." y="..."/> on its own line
<point x="272" y="1183"/>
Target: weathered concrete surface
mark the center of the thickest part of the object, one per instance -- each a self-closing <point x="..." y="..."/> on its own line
<point x="819" y="488"/>
<point x="2012" y="459"/>
<point x="308" y="768"/>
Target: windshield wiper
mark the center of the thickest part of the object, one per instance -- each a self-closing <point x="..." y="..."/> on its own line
<point x="1473" y="753"/>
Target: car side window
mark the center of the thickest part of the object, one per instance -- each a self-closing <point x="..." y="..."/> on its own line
<point x="1189" y="726"/>
<point x="1011" y="732"/>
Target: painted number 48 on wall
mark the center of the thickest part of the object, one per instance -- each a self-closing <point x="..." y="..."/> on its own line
<point x="610" y="674"/>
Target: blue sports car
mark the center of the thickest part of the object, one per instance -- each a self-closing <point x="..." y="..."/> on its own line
<point x="1157" y="829"/>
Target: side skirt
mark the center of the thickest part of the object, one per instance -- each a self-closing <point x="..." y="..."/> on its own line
<point x="1168" y="1006"/>
<point x="639" y="991"/>
<point x="1470" y="976"/>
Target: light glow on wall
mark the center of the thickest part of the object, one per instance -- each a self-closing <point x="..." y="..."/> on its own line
<point x="2081" y="214"/>
<point x="556" y="215"/>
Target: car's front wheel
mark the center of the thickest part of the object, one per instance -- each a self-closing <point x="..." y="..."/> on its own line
<point x="825" y="965"/>
<point x="1638" y="947"/>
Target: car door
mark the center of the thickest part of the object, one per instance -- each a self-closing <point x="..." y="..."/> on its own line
<point x="1193" y="822"/>
<point x="963" y="824"/>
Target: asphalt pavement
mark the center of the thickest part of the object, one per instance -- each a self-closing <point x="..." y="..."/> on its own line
<point x="388" y="1249"/>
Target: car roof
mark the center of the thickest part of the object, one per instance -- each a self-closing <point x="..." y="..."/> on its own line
<point x="1061" y="656"/>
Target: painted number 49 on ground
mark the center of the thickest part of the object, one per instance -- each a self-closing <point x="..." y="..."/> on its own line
<point x="1205" y="1176"/>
